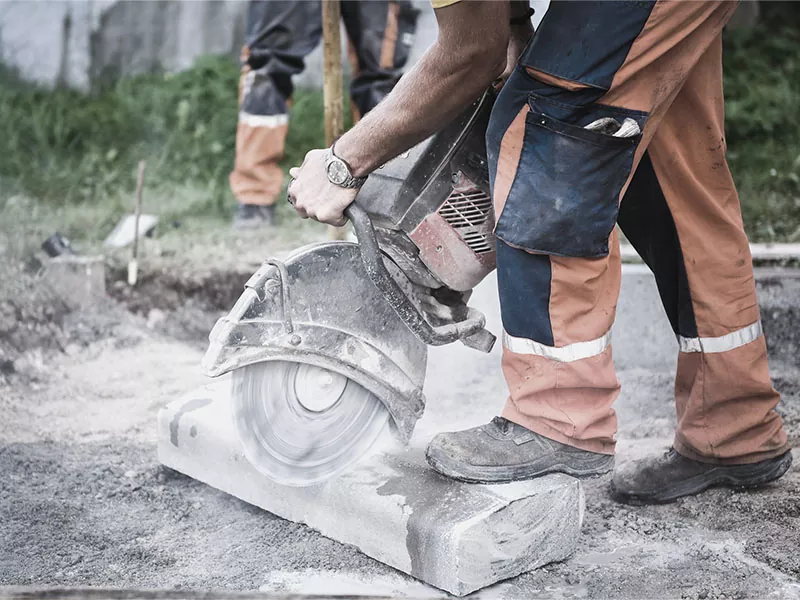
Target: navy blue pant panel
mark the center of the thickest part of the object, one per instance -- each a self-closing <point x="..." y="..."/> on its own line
<point x="366" y="24"/>
<point x="280" y="34"/>
<point x="565" y="191"/>
<point x="523" y="280"/>
<point x="586" y="42"/>
<point x="647" y="222"/>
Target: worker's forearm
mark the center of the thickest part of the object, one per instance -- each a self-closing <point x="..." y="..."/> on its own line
<point x="440" y="86"/>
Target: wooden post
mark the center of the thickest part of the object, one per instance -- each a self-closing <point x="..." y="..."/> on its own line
<point x="133" y="265"/>
<point x="332" y="87"/>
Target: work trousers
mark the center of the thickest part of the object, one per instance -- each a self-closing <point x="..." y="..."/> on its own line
<point x="559" y="189"/>
<point x="279" y="35"/>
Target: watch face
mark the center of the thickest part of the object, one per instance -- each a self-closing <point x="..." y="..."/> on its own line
<point x="337" y="172"/>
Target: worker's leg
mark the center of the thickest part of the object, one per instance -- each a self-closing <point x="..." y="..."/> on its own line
<point x="559" y="199"/>
<point x="381" y="34"/>
<point x="278" y="37"/>
<point x="556" y="188"/>
<point x="682" y="214"/>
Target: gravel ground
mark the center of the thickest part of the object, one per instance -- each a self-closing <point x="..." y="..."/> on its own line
<point x="83" y="501"/>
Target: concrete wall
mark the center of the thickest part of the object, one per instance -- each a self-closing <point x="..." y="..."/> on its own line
<point x="48" y="41"/>
<point x="74" y="42"/>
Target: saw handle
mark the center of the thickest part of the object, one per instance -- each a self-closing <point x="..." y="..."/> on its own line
<point x="372" y="257"/>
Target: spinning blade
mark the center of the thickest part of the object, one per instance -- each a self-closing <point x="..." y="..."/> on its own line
<point x="300" y="424"/>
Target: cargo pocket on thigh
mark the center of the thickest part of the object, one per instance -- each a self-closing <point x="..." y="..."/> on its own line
<point x="564" y="198"/>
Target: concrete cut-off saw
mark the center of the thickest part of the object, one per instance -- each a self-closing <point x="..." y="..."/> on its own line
<point x="328" y="348"/>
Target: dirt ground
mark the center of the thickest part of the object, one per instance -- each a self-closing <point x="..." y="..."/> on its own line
<point x="84" y="502"/>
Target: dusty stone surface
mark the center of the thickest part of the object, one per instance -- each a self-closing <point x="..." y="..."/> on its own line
<point x="75" y="422"/>
<point x="457" y="537"/>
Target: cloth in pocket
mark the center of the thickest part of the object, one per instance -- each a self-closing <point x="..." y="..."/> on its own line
<point x="564" y="197"/>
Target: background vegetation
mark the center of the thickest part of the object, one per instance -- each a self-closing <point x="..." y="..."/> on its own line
<point x="762" y="113"/>
<point x="62" y="149"/>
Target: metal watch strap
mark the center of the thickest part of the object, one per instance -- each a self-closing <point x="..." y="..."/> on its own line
<point x="351" y="182"/>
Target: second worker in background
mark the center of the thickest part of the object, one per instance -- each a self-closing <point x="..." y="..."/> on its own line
<point x="279" y="35"/>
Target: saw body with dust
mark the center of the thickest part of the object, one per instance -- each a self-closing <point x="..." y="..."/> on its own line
<point x="329" y="346"/>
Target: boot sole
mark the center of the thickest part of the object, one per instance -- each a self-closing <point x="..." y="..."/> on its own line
<point x="734" y="476"/>
<point x="593" y="467"/>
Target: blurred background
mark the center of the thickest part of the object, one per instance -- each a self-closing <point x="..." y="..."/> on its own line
<point x="90" y="87"/>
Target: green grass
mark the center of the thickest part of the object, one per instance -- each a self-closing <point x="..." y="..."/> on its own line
<point x="762" y="109"/>
<point x="71" y="158"/>
<point x="69" y="148"/>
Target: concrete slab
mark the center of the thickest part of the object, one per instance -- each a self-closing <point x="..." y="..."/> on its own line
<point x="456" y="537"/>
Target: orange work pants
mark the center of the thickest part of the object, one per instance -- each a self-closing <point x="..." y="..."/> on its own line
<point x="560" y="188"/>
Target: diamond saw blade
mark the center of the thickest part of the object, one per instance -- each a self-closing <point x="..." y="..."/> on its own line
<point x="300" y="424"/>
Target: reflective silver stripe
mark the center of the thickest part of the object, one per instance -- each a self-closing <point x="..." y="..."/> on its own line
<point x="723" y="343"/>
<point x="263" y="120"/>
<point x="569" y="353"/>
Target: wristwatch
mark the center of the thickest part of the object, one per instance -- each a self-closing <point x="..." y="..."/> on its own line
<point x="339" y="172"/>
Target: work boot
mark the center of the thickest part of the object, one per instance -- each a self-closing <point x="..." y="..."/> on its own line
<point x="502" y="451"/>
<point x="253" y="216"/>
<point x="658" y="480"/>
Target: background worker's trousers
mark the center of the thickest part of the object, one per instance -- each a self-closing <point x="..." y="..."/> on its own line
<point x="559" y="189"/>
<point x="279" y="35"/>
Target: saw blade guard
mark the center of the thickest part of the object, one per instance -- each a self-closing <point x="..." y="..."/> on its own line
<point x="320" y="310"/>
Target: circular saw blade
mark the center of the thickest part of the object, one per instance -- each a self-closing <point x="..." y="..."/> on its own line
<point x="300" y="424"/>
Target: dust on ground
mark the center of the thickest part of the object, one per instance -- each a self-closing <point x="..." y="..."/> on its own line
<point x="84" y="502"/>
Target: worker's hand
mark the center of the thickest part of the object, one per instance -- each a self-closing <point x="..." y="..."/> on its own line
<point x="314" y="196"/>
<point x="518" y="39"/>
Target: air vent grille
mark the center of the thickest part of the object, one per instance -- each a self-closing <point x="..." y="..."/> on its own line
<point x="469" y="211"/>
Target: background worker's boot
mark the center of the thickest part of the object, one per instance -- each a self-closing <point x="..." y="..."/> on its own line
<point x="253" y="216"/>
<point x="502" y="451"/>
<point x="671" y="476"/>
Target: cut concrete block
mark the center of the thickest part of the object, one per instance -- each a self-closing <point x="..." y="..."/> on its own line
<point x="78" y="280"/>
<point x="391" y="506"/>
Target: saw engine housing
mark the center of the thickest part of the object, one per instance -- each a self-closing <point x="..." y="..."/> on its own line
<point x="367" y="311"/>
<point x="432" y="208"/>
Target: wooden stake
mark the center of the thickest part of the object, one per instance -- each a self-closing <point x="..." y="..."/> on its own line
<point x="332" y="76"/>
<point x="133" y="265"/>
<point x="332" y="87"/>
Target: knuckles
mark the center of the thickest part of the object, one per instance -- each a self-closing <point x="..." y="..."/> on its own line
<point x="312" y="193"/>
